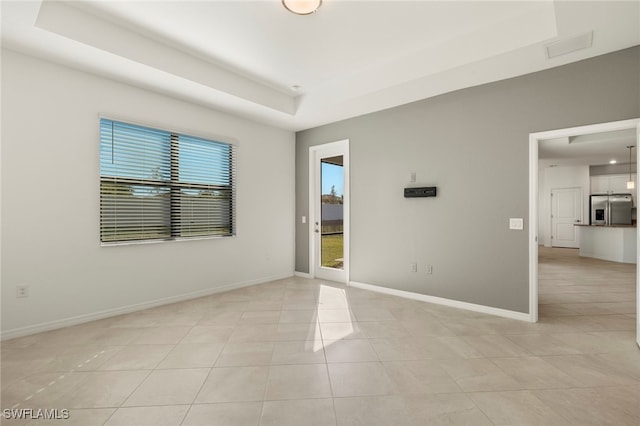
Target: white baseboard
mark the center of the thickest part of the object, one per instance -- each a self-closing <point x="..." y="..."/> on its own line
<point x="80" y="319"/>
<point x="303" y="274"/>
<point x="446" y="302"/>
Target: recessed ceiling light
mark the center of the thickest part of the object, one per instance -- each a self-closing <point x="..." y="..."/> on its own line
<point x="612" y="161"/>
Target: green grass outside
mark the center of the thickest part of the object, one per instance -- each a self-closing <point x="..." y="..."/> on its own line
<point x="332" y="249"/>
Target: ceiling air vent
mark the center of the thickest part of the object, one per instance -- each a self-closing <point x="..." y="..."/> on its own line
<point x="571" y="44"/>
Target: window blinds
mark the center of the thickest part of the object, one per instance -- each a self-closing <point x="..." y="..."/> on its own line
<point x="160" y="185"/>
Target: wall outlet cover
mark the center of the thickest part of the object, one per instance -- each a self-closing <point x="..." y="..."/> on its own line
<point x="516" y="223"/>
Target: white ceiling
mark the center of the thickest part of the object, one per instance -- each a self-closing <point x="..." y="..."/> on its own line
<point x="349" y="58"/>
<point x="588" y="150"/>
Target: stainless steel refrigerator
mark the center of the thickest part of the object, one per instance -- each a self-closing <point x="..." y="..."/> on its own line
<point x="612" y="209"/>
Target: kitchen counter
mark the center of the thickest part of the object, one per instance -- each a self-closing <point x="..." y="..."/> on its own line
<point x="616" y="243"/>
<point x="606" y="226"/>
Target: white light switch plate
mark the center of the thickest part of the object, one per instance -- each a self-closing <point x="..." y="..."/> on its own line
<point x="516" y="223"/>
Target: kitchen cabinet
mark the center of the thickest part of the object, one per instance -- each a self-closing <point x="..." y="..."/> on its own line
<point x="618" y="184"/>
<point x="599" y="184"/>
<point x="611" y="184"/>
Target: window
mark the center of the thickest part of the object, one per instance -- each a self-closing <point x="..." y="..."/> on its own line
<point x="161" y="185"/>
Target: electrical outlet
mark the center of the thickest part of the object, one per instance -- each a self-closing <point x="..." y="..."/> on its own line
<point x="413" y="267"/>
<point x="429" y="269"/>
<point x="22" y="291"/>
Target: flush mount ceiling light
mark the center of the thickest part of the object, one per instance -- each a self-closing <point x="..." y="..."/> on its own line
<point x="612" y="161"/>
<point x="630" y="183"/>
<point x="302" y="7"/>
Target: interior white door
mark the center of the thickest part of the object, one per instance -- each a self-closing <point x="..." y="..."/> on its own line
<point x="329" y="204"/>
<point x="566" y="212"/>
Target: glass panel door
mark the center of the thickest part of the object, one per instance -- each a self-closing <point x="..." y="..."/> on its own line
<point x="332" y="212"/>
<point x="329" y="209"/>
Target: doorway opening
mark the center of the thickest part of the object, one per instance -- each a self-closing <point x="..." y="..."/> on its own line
<point x="540" y="227"/>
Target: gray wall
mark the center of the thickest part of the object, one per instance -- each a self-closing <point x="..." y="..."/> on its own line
<point x="473" y="145"/>
<point x="611" y="169"/>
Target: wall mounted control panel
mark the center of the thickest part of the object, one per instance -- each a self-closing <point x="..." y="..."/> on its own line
<point x="426" y="191"/>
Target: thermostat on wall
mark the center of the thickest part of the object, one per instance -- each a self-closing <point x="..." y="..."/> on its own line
<point x="427" y="191"/>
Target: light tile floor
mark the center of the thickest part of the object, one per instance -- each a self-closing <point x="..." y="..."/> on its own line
<point x="307" y="352"/>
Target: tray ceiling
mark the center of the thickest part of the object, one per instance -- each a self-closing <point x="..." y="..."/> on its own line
<point x="255" y="59"/>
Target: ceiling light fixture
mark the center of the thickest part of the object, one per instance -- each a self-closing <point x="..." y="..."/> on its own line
<point x="630" y="183"/>
<point x="612" y="161"/>
<point x="302" y="7"/>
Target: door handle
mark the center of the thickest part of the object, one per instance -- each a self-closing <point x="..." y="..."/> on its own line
<point x="578" y="221"/>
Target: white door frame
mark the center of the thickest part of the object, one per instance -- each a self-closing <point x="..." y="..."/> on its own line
<point x="534" y="139"/>
<point x="340" y="148"/>
<point x="637" y="243"/>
